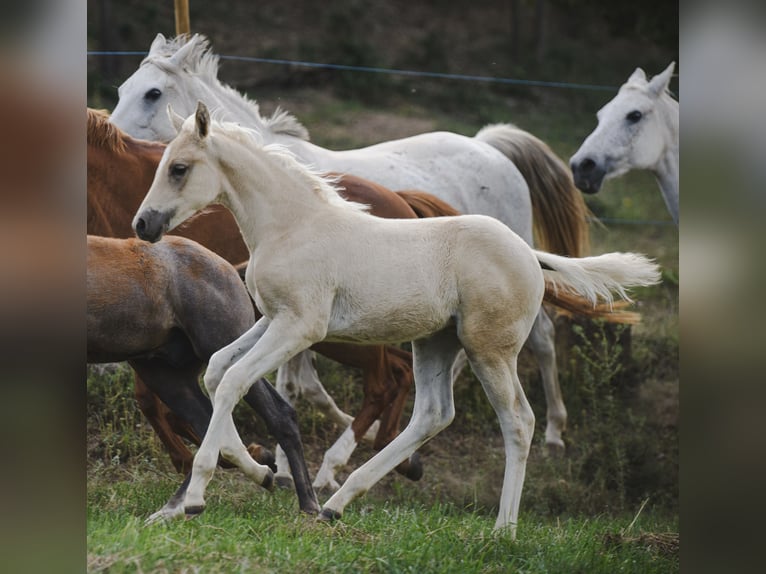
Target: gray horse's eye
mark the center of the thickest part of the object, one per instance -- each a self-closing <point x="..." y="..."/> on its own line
<point x="634" y="116"/>
<point x="152" y="95"/>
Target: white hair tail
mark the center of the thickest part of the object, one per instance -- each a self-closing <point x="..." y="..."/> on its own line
<point x="597" y="278"/>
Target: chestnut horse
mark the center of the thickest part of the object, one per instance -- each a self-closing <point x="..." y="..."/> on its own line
<point x="165" y="308"/>
<point x="120" y="171"/>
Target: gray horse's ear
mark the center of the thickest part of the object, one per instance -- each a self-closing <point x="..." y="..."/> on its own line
<point x="158" y="42"/>
<point x="175" y="120"/>
<point x="638" y="76"/>
<point x="661" y="81"/>
<point x="184" y="51"/>
<point x="202" y="119"/>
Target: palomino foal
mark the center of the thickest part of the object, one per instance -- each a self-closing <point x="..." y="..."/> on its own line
<point x="321" y="268"/>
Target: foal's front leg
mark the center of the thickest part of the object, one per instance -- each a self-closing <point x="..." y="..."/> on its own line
<point x="282" y="339"/>
<point x="217" y="366"/>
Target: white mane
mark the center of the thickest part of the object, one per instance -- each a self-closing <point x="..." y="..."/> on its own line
<point x="203" y="63"/>
<point x="326" y="187"/>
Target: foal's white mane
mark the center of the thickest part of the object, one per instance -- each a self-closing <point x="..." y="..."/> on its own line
<point x="203" y="63"/>
<point x="326" y="187"/>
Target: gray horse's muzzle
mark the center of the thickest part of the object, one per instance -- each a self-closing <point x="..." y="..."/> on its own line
<point x="151" y="225"/>
<point x="588" y="175"/>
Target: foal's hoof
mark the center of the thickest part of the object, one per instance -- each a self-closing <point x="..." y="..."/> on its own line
<point x="328" y="515"/>
<point x="193" y="511"/>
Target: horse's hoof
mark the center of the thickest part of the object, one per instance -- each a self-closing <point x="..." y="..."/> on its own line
<point x="284" y="481"/>
<point x="311" y="508"/>
<point x="327" y="488"/>
<point x="193" y="511"/>
<point x="328" y="515"/>
<point x="262" y="455"/>
<point x="415" y="471"/>
<point x="268" y="482"/>
<point x="555" y="449"/>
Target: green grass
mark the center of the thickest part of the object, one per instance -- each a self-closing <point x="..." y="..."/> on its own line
<point x="247" y="529"/>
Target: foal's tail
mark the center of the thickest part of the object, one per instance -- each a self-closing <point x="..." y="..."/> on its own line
<point x="596" y="278"/>
<point x="560" y="213"/>
<point x="427" y="205"/>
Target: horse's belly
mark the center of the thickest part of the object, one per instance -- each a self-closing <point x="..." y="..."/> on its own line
<point x="395" y="324"/>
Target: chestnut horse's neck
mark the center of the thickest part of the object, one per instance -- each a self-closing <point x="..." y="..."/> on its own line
<point x="117" y="182"/>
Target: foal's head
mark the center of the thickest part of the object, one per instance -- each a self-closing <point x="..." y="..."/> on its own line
<point x="634" y="131"/>
<point x="187" y="179"/>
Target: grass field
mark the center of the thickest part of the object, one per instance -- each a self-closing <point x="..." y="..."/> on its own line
<point x="577" y="512"/>
<point x="247" y="529"/>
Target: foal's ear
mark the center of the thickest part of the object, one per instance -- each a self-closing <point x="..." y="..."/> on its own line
<point x="175" y="119"/>
<point x="202" y="118"/>
<point x="660" y="82"/>
<point x="638" y="76"/>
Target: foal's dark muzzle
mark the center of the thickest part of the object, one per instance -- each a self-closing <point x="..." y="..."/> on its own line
<point x="151" y="225"/>
<point x="588" y="175"/>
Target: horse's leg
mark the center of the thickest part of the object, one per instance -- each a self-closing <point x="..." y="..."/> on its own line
<point x="313" y="391"/>
<point x="157" y="413"/>
<point x="216" y="368"/>
<point x="298" y="376"/>
<point x="460" y="362"/>
<point x="375" y="379"/>
<point x="282" y="423"/>
<point x="387" y="379"/>
<point x="178" y="388"/>
<point x="434" y="409"/>
<point x="275" y="342"/>
<point x="541" y="342"/>
<point x="500" y="381"/>
<point x="399" y="367"/>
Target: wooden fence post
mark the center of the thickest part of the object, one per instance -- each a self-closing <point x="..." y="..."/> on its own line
<point x="182" y="17"/>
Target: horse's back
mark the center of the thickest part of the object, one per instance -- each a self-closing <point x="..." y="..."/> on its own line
<point x="429" y="270"/>
<point x="470" y="175"/>
<point x="138" y="292"/>
<point x="126" y="310"/>
<point x="382" y="201"/>
<point x="211" y="300"/>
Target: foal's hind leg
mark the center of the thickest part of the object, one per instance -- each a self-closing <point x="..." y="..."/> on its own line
<point x="541" y="342"/>
<point x="501" y="383"/>
<point x="434" y="409"/>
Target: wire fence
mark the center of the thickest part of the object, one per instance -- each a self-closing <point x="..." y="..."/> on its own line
<point x="394" y="72"/>
<point x="416" y="73"/>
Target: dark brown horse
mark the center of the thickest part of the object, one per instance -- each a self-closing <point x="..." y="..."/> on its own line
<point x="165" y="308"/>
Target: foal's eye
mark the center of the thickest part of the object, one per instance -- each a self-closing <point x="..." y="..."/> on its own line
<point x="152" y="95"/>
<point x="178" y="170"/>
<point x="634" y="116"/>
